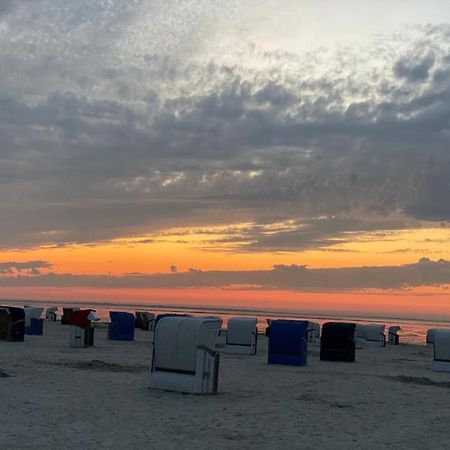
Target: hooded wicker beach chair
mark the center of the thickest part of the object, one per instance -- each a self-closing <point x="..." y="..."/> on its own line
<point x="144" y="320"/>
<point x="441" y="357"/>
<point x="16" y="325"/>
<point x="33" y="322"/>
<point x="337" y="342"/>
<point x="5" y="324"/>
<point x="51" y="313"/>
<point x="375" y="335"/>
<point x="242" y="336"/>
<point x="162" y="316"/>
<point x="184" y="356"/>
<point x="313" y="332"/>
<point x="81" y="331"/>
<point x="65" y="318"/>
<point x="360" y="332"/>
<point x="431" y="333"/>
<point x="393" y="337"/>
<point x="121" y="327"/>
<point x="288" y="342"/>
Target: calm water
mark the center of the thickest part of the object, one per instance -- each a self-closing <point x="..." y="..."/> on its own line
<point x="413" y="331"/>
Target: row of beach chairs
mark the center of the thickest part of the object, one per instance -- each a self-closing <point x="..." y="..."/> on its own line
<point x="177" y="337"/>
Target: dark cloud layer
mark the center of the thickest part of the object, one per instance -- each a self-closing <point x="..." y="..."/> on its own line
<point x="293" y="277"/>
<point x="107" y="132"/>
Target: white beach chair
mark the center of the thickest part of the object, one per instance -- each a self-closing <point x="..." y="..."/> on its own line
<point x="441" y="360"/>
<point x="313" y="332"/>
<point x="184" y="356"/>
<point x="375" y="335"/>
<point x="242" y="336"/>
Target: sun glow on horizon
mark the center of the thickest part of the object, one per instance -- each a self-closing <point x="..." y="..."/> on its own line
<point x="229" y="247"/>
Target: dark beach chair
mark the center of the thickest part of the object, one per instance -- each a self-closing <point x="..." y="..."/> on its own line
<point x="5" y="324"/>
<point x="393" y="337"/>
<point x="17" y="324"/>
<point x="288" y="342"/>
<point x="121" y="327"/>
<point x="337" y="342"/>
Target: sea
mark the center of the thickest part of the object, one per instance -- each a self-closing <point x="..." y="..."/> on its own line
<point x="412" y="330"/>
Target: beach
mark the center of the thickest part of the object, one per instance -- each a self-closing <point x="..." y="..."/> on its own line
<point x="56" y="397"/>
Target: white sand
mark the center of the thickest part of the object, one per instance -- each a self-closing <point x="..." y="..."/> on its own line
<point x="57" y="397"/>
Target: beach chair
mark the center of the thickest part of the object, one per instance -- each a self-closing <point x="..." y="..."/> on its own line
<point x="144" y="320"/>
<point x="51" y="313"/>
<point x="375" y="335"/>
<point x="162" y="316"/>
<point x="81" y="331"/>
<point x="65" y="318"/>
<point x="393" y="337"/>
<point x="17" y="324"/>
<point x="288" y="342"/>
<point x="337" y="342"/>
<point x="431" y="332"/>
<point x="5" y="324"/>
<point x="121" y="327"/>
<point x="184" y="356"/>
<point x="441" y="358"/>
<point x="360" y="332"/>
<point x="242" y="336"/>
<point x="269" y="322"/>
<point x="34" y="325"/>
<point x="313" y="332"/>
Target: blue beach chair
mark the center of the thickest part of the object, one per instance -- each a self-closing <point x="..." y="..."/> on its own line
<point x="288" y="342"/>
<point x="121" y="327"/>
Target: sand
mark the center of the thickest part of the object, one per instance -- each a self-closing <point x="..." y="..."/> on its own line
<point x="56" y="397"/>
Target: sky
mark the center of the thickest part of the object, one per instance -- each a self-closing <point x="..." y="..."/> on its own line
<point x="284" y="154"/>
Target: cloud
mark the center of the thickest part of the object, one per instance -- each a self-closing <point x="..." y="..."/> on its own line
<point x="31" y="267"/>
<point x="291" y="277"/>
<point x="414" y="70"/>
<point x="123" y="124"/>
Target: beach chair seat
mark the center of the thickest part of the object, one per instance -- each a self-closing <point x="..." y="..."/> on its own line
<point x="375" y="335"/>
<point x="81" y="332"/>
<point x="337" y="342"/>
<point x="393" y="337"/>
<point x="242" y="336"/>
<point x="121" y="327"/>
<point x="288" y="342"/>
<point x="441" y="356"/>
<point x="184" y="356"/>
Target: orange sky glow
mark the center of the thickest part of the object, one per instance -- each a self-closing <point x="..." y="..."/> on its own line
<point x="187" y="248"/>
